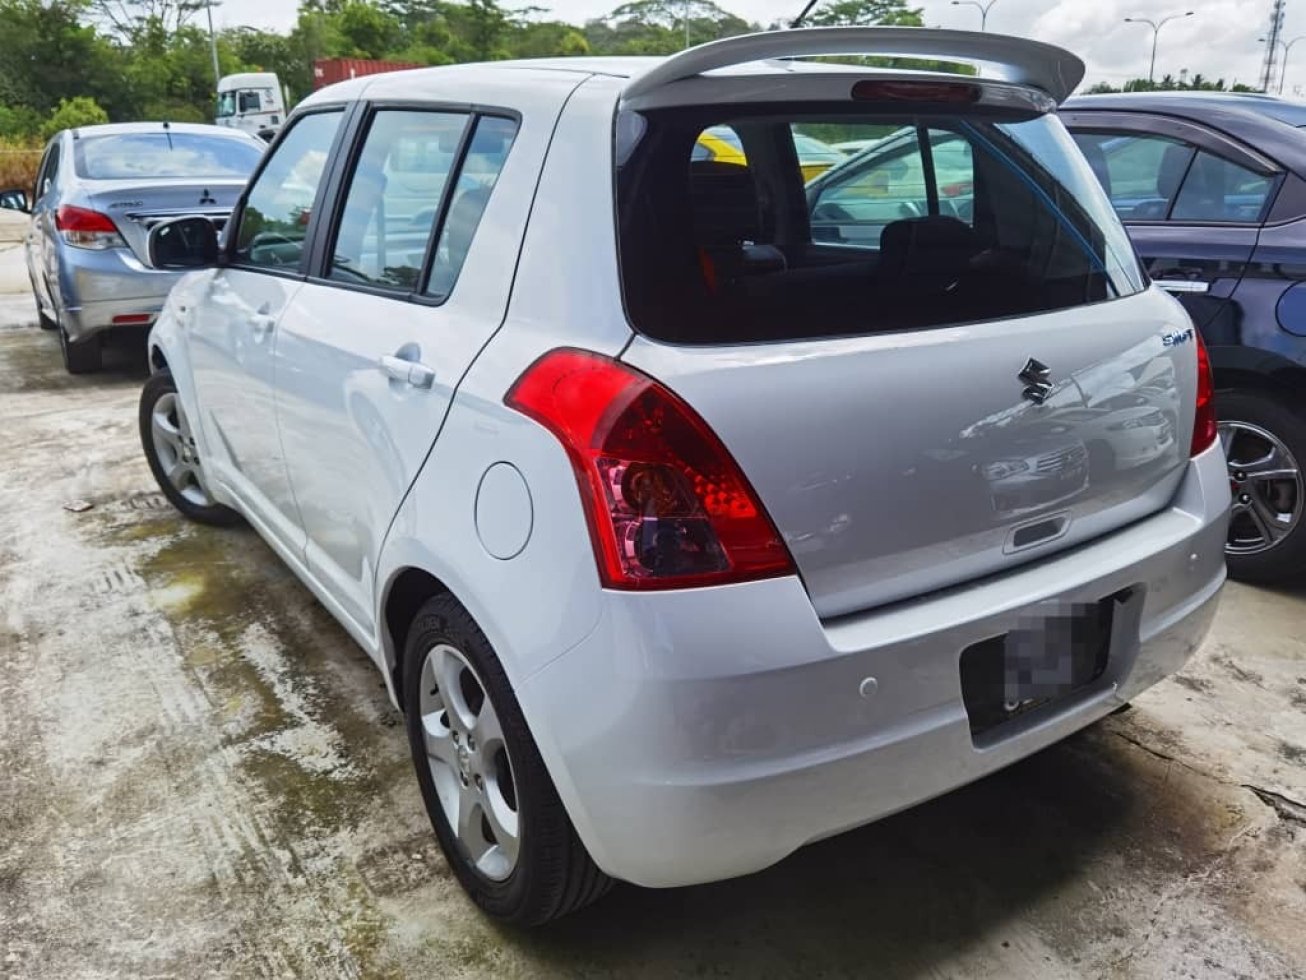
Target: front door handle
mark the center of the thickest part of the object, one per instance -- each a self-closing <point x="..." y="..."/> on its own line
<point x="410" y="372"/>
<point x="1188" y="286"/>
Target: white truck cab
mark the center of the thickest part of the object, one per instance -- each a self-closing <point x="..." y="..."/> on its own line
<point x="251" y="101"/>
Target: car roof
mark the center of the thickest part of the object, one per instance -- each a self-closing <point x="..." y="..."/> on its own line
<point x="1264" y="123"/>
<point x="1019" y="61"/>
<point x="136" y="128"/>
<point x="1283" y="110"/>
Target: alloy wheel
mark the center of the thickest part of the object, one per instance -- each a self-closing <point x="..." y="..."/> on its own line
<point x="1267" y="488"/>
<point x="175" y="447"/>
<point x="469" y="761"/>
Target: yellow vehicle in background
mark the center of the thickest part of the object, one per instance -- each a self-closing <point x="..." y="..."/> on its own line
<point x="722" y="144"/>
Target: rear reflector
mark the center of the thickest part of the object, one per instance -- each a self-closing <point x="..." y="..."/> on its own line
<point x="126" y="319"/>
<point x="667" y="505"/>
<point x="1204" y="423"/>
<point x="885" y="91"/>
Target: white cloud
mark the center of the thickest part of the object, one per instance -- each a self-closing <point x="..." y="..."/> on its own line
<point x="1219" y="40"/>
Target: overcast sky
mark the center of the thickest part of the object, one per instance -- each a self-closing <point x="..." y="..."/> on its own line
<point x="1219" y="40"/>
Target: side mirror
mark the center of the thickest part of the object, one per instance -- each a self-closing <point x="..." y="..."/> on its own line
<point x="184" y="243"/>
<point x="15" y="199"/>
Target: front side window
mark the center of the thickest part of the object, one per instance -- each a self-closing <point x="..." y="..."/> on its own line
<point x="486" y="154"/>
<point x="226" y="104"/>
<point x="937" y="220"/>
<point x="394" y="197"/>
<point x="249" y="102"/>
<point x="274" y="223"/>
<point x="164" y="155"/>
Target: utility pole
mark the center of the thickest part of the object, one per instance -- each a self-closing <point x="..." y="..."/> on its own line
<point x="213" y="46"/>
<point x="1156" y="26"/>
<point x="1272" y="43"/>
<point x="1283" y="71"/>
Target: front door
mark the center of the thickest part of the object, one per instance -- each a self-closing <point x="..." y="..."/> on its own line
<point x="1192" y="201"/>
<point x="233" y="333"/>
<point x="370" y="353"/>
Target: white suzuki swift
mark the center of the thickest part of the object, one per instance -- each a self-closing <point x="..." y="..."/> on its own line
<point x="694" y="511"/>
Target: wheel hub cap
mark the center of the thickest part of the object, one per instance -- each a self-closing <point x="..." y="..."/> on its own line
<point x="469" y="762"/>
<point x="174" y="447"/>
<point x="1266" y="484"/>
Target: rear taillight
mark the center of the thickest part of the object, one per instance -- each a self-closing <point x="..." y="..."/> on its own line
<point x="1204" y="424"/>
<point x="85" y="228"/>
<point x="667" y="505"/>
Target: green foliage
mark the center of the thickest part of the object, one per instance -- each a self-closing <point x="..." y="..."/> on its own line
<point x="853" y="13"/>
<point x="1168" y="83"/>
<point x="151" y="59"/>
<point x="71" y="113"/>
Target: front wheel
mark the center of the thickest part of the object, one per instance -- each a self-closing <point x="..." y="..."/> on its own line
<point x="1265" y="444"/>
<point x="494" y="809"/>
<point x="172" y="454"/>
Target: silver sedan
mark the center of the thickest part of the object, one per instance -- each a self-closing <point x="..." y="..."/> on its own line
<point x="99" y="191"/>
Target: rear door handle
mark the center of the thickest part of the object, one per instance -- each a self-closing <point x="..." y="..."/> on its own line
<point x="1184" y="285"/>
<point x="410" y="372"/>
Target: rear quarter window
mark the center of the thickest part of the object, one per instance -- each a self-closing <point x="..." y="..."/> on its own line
<point x="934" y="221"/>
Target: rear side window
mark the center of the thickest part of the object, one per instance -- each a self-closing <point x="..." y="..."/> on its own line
<point x="394" y="197"/>
<point x="933" y="221"/>
<point x="1153" y="178"/>
<point x="486" y="153"/>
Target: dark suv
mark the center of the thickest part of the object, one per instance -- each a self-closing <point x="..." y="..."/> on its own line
<point x="1212" y="189"/>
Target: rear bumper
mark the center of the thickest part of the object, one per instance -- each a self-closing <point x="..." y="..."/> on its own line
<point x="705" y="734"/>
<point x="97" y="285"/>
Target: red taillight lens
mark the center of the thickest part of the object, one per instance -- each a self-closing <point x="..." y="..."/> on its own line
<point x="1204" y="424"/>
<point x="86" y="228"/>
<point x="69" y="218"/>
<point x="667" y="505"/>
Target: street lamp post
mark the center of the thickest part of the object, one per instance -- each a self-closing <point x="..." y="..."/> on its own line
<point x="983" y="8"/>
<point x="1156" y="26"/>
<point x="1287" y="46"/>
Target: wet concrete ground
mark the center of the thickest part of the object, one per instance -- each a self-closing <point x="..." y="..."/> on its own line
<point x="200" y="776"/>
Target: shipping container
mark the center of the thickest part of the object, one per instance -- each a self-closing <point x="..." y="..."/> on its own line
<point x="328" y="71"/>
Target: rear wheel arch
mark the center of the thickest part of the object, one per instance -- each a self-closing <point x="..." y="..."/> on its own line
<point x="409" y="590"/>
<point x="1259" y="371"/>
<point x="158" y="361"/>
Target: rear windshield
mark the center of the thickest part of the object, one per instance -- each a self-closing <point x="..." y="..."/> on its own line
<point x="757" y="228"/>
<point x="132" y="155"/>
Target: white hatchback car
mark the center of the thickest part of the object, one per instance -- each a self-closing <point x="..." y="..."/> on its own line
<point x="682" y="537"/>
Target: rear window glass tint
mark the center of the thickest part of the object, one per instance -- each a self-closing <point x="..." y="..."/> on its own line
<point x="149" y="155"/>
<point x="935" y="221"/>
<point x="1218" y="190"/>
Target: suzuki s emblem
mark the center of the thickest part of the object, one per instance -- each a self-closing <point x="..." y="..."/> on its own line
<point x="1035" y="374"/>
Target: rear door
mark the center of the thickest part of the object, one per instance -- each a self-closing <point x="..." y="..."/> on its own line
<point x="1192" y="201"/>
<point x="962" y="389"/>
<point x="413" y="280"/>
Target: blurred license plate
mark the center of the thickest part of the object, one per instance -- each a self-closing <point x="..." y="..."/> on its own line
<point x="1044" y="659"/>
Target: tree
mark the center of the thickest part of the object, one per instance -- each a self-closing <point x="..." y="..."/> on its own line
<point x="852" y="13"/>
<point x="72" y="113"/>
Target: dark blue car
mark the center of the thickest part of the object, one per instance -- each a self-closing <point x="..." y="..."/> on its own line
<point x="1212" y="188"/>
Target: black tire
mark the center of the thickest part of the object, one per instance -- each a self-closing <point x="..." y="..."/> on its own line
<point x="554" y="874"/>
<point x="1285" y="560"/>
<point x="216" y="514"/>
<point x="82" y="356"/>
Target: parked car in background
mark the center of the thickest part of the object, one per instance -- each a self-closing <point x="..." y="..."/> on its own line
<point x="99" y="191"/>
<point x="1212" y="189"/>
<point x="722" y="144"/>
<point x="682" y="535"/>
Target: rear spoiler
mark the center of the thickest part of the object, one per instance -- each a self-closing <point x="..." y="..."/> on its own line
<point x="1047" y="67"/>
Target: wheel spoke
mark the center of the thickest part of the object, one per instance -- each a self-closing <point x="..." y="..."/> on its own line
<point x="179" y="474"/>
<point x="503" y="823"/>
<point x="470" y="811"/>
<point x="439" y="739"/>
<point x="448" y="675"/>
<point x="486" y="730"/>
<point x="1270" y="461"/>
<point x="165" y="433"/>
<point x="1261" y="476"/>
<point x="1268" y="521"/>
